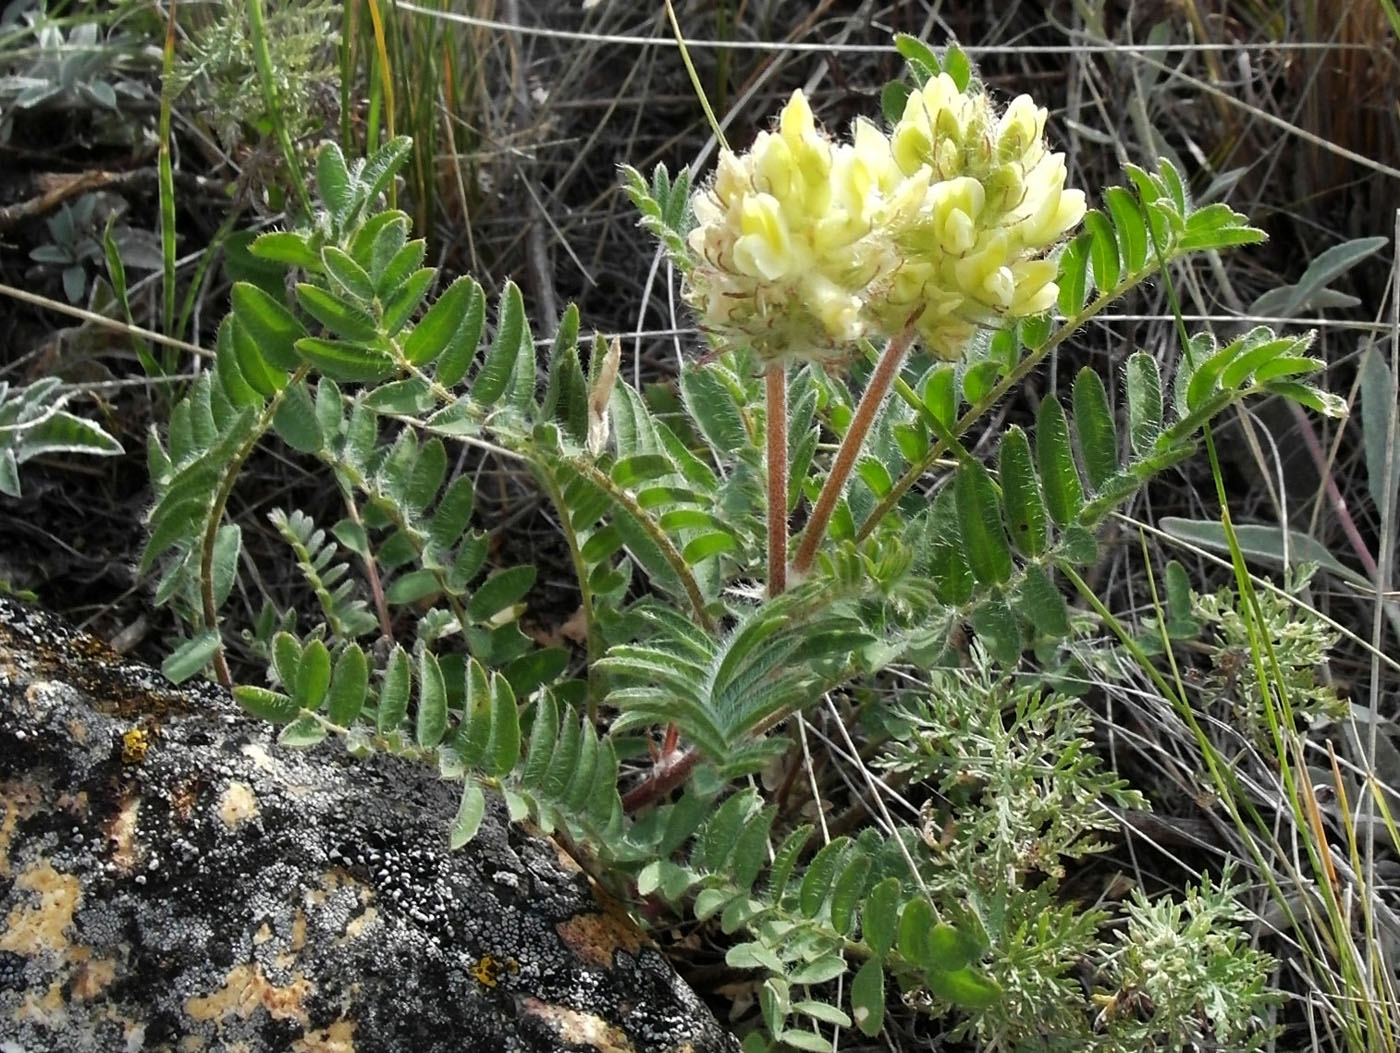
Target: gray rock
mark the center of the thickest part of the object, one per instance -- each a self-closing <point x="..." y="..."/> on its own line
<point x="170" y="879"/>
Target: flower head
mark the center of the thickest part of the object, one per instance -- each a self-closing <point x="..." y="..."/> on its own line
<point x="803" y="245"/>
<point x="789" y="237"/>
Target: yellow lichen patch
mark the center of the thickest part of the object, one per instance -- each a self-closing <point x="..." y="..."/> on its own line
<point x="359" y="925"/>
<point x="490" y="969"/>
<point x="578" y="1028"/>
<point x="183" y="799"/>
<point x="19" y="801"/>
<point x="567" y="863"/>
<point x="245" y="991"/>
<point x="77" y="731"/>
<point x="92" y="978"/>
<point x="121" y="831"/>
<point x="596" y="937"/>
<point x="135" y="743"/>
<point x="237" y="805"/>
<point x="260" y="757"/>
<point x="48" y="1009"/>
<point x="32" y="930"/>
<point x="338" y="1038"/>
<point x="298" y="930"/>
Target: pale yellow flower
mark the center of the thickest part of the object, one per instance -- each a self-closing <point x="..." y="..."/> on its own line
<point x="995" y="205"/>
<point x="789" y="237"/>
<point x="803" y="245"/>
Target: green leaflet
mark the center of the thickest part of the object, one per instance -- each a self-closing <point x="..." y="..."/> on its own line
<point x="1093" y="427"/>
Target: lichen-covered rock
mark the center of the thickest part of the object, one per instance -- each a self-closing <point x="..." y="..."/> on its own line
<point x="171" y="880"/>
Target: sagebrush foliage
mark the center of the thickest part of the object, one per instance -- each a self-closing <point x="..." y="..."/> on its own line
<point x="360" y="367"/>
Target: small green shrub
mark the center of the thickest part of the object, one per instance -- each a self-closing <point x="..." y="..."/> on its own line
<point x="357" y="357"/>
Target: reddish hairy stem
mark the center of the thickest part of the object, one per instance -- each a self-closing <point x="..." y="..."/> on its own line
<point x="672" y="770"/>
<point x="661" y="780"/>
<point x="775" y="386"/>
<point x="886" y="369"/>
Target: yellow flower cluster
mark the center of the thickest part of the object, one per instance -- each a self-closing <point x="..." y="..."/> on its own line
<point x="803" y="245"/>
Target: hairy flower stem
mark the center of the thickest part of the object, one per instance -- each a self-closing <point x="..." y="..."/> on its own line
<point x="775" y="387"/>
<point x="869" y="408"/>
